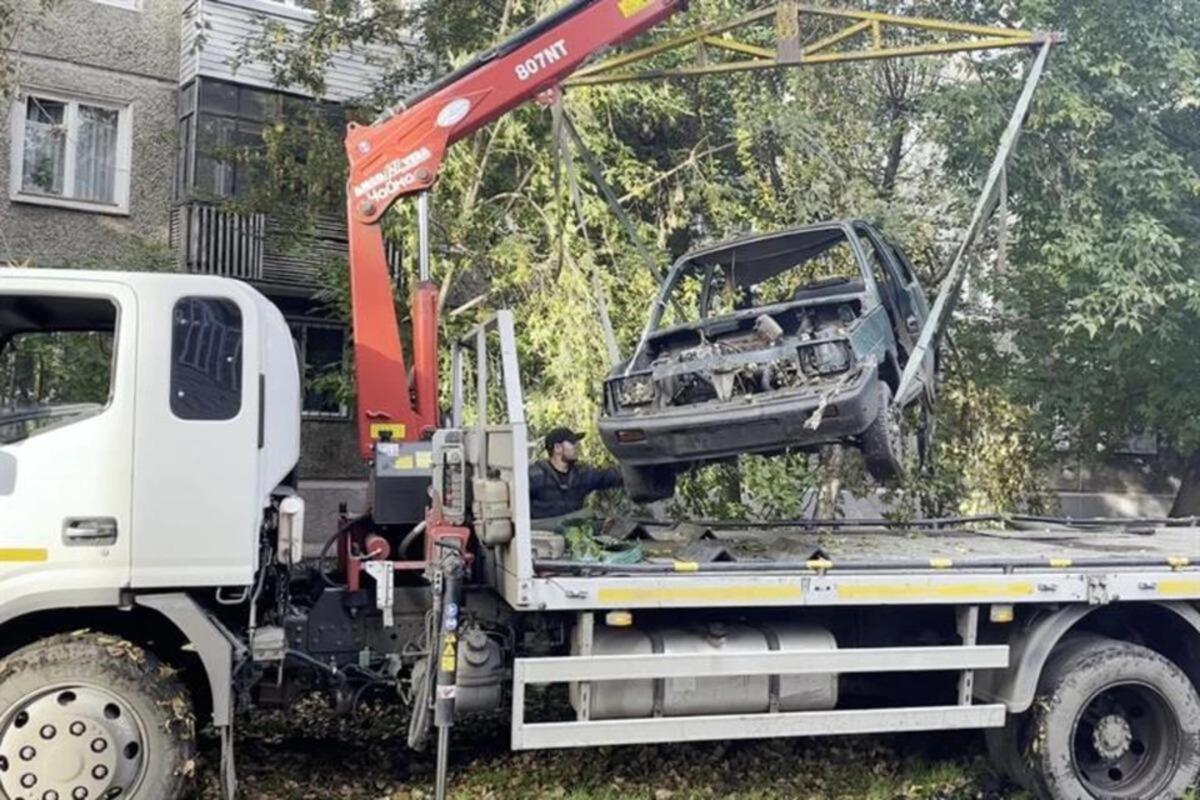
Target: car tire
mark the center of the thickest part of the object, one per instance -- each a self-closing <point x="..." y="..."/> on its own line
<point x="102" y="703"/>
<point x="648" y="484"/>
<point x="883" y="442"/>
<point x="1113" y="720"/>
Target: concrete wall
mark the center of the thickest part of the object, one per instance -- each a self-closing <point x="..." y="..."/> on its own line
<point x="86" y="48"/>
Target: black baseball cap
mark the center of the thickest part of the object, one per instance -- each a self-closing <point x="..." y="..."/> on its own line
<point x="557" y="435"/>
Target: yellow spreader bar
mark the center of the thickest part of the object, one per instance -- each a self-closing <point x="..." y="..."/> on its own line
<point x="31" y="555"/>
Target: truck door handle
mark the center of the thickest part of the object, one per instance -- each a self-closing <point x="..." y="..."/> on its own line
<point x="89" y="531"/>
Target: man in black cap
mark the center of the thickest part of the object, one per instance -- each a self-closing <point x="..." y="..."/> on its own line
<point x="558" y="485"/>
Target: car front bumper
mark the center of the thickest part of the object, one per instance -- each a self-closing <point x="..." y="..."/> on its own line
<point x="763" y="423"/>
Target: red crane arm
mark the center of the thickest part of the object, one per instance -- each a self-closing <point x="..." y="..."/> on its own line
<point x="402" y="154"/>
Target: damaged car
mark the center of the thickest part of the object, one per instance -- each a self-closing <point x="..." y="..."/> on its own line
<point x="775" y="342"/>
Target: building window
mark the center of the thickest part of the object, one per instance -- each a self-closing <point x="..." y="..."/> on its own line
<point x="322" y="352"/>
<point x="206" y="359"/>
<point x="228" y="130"/>
<point x="221" y="135"/>
<point x="71" y="152"/>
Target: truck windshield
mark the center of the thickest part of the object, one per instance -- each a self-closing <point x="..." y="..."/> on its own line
<point x="56" y="362"/>
<point x="779" y="269"/>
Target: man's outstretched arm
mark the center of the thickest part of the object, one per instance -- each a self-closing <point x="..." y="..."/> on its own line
<point x="595" y="479"/>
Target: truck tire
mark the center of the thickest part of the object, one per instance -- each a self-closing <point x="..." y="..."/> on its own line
<point x="90" y="716"/>
<point x="1113" y="720"/>
<point x="647" y="484"/>
<point x="883" y="442"/>
<point x="1007" y="748"/>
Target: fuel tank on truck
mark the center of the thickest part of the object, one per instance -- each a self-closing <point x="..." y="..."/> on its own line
<point x="679" y="697"/>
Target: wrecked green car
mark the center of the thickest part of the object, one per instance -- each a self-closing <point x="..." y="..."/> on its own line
<point x="782" y="341"/>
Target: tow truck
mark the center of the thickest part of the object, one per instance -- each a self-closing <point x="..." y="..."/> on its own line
<point x="152" y="580"/>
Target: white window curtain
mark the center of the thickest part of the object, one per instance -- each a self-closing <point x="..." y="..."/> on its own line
<point x="70" y="150"/>
<point x="45" y="154"/>
<point x="96" y="155"/>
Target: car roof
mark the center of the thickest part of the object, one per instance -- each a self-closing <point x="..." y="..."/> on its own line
<point x="760" y="256"/>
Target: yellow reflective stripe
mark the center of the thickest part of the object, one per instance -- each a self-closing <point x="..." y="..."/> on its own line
<point x="819" y="564"/>
<point x="687" y="566"/>
<point x="23" y="554"/>
<point x="921" y="591"/>
<point x="1177" y="562"/>
<point x="1060" y="562"/>
<point x="941" y="563"/>
<point x="699" y="594"/>
<point x="1179" y="588"/>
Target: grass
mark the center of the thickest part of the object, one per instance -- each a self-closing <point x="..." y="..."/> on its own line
<point x="307" y="755"/>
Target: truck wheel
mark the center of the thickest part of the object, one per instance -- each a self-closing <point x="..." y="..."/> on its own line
<point x="1006" y="748"/>
<point x="1114" y="720"/>
<point x="647" y="484"/>
<point x="884" y="444"/>
<point x="91" y="717"/>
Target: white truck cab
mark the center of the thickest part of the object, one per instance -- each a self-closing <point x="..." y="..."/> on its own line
<point x="117" y="392"/>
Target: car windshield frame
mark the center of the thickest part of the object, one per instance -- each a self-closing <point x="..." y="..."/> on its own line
<point x="709" y="259"/>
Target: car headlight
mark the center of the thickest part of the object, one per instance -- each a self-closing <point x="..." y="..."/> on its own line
<point x="825" y="358"/>
<point x="635" y="390"/>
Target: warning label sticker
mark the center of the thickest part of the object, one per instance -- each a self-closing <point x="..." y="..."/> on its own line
<point x="630" y="7"/>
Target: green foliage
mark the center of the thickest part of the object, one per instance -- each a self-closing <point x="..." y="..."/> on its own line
<point x="984" y="456"/>
<point x="1102" y="283"/>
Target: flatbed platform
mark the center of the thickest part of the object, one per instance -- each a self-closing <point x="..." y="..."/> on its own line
<point x="1006" y="559"/>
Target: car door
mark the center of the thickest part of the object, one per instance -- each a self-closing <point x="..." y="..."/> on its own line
<point x="891" y="288"/>
<point x="67" y="374"/>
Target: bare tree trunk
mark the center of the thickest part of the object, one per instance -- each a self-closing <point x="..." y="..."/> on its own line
<point x="1187" y="500"/>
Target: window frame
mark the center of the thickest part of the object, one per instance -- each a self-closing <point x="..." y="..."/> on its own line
<point x="113" y="361"/>
<point x="302" y="324"/>
<point x="124" y="154"/>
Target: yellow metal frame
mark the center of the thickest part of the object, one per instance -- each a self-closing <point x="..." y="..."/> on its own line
<point x="870" y="31"/>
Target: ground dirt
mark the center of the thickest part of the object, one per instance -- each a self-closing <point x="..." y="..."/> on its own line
<point x="309" y="755"/>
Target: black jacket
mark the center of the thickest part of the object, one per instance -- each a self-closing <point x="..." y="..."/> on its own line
<point x="553" y="493"/>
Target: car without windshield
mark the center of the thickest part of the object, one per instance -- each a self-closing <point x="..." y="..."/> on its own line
<point x="774" y="342"/>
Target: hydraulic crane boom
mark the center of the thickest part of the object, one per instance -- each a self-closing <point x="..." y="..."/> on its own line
<point x="401" y="155"/>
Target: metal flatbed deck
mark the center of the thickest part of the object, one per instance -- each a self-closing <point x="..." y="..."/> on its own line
<point x="969" y="560"/>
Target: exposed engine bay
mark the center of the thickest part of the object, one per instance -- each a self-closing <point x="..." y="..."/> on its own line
<point x="744" y="356"/>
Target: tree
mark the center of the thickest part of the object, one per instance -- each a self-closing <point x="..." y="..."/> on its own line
<point x="1101" y="304"/>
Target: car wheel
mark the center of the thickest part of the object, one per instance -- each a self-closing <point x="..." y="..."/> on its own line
<point x="1113" y="720"/>
<point x="91" y="716"/>
<point x="648" y="484"/>
<point x="883" y="443"/>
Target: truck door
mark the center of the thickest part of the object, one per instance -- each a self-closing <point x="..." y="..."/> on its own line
<point x="67" y="373"/>
<point x="199" y="429"/>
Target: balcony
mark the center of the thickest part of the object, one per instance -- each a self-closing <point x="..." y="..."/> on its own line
<point x="210" y="240"/>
